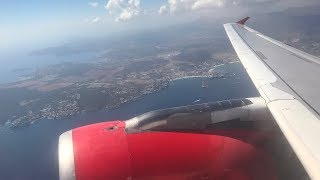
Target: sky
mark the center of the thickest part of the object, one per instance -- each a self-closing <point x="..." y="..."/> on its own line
<point x="25" y="24"/>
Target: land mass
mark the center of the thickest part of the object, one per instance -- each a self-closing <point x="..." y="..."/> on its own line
<point x="115" y="77"/>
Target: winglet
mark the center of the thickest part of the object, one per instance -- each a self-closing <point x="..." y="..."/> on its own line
<point x="243" y="21"/>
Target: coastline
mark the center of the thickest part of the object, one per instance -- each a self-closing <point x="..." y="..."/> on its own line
<point x="187" y="77"/>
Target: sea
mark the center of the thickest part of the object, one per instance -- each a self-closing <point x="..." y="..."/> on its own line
<point x="30" y="153"/>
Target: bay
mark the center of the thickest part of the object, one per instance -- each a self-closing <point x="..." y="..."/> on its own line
<point x="31" y="152"/>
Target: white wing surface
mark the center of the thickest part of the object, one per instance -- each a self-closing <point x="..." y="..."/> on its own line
<point x="288" y="80"/>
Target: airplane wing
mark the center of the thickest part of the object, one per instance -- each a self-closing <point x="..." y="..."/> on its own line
<point x="288" y="80"/>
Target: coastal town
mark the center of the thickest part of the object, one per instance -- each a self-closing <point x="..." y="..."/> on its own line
<point x="68" y="89"/>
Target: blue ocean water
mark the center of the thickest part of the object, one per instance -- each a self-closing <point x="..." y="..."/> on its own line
<point x="31" y="152"/>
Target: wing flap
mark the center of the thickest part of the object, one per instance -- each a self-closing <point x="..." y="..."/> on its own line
<point x="293" y="101"/>
<point x="301" y="128"/>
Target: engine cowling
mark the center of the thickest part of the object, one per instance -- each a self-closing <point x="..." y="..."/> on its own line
<point x="207" y="141"/>
<point x="106" y="151"/>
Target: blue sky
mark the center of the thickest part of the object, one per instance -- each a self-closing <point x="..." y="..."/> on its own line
<point x="36" y="22"/>
<point x="20" y="10"/>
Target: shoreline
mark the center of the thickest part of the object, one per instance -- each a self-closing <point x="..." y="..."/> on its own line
<point x="187" y="77"/>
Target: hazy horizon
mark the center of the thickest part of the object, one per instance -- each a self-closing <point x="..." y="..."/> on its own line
<point x="28" y="25"/>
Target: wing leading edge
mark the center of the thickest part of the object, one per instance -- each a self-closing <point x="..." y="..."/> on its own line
<point x="287" y="79"/>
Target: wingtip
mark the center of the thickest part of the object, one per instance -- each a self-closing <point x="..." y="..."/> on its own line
<point x="243" y="21"/>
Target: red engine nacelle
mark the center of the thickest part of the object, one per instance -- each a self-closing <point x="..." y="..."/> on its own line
<point x="107" y="151"/>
